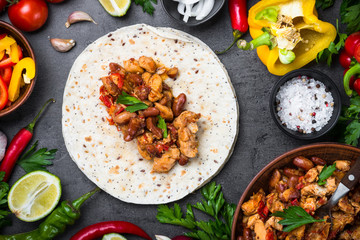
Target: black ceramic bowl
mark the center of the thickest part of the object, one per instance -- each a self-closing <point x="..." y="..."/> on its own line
<point x="170" y="8"/>
<point x="319" y="76"/>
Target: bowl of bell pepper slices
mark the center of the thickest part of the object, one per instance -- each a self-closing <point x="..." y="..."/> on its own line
<point x="17" y="68"/>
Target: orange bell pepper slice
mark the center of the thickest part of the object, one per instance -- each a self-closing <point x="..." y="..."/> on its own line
<point x="15" y="83"/>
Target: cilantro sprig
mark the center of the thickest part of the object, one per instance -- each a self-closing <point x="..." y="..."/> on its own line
<point x="294" y="217"/>
<point x="350" y="15"/>
<point x="162" y="125"/>
<point x="4" y="190"/>
<point x="34" y="160"/>
<point x="133" y="103"/>
<point x="147" y="5"/>
<point x="213" y="204"/>
<point x="325" y="173"/>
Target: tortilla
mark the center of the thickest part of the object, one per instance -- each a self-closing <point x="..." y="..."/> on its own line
<point x="98" y="148"/>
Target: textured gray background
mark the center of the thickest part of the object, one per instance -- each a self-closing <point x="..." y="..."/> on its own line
<point x="259" y="139"/>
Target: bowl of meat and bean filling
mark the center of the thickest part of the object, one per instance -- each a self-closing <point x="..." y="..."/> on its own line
<point x="282" y="199"/>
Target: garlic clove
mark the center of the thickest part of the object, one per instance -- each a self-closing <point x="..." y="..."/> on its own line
<point x="62" y="45"/>
<point x="78" y="16"/>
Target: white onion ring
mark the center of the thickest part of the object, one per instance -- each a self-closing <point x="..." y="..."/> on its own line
<point x="195" y="8"/>
<point x="181" y="8"/>
<point x="208" y="6"/>
<point x="3" y="143"/>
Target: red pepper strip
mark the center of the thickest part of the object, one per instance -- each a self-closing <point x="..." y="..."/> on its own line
<point x="354" y="70"/>
<point x="116" y="77"/>
<point x="7" y="62"/>
<point x="18" y="144"/>
<point x="3" y="94"/>
<point x="239" y="21"/>
<point x="105" y="100"/>
<point x="6" y="75"/>
<point x="2" y="35"/>
<point x="97" y="230"/>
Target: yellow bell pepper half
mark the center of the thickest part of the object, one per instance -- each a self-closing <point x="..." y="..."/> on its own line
<point x="16" y="79"/>
<point x="316" y="35"/>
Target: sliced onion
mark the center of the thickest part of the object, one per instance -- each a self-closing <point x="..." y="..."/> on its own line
<point x="181" y="8"/>
<point x="187" y="12"/>
<point x="197" y="8"/>
<point x="208" y="6"/>
<point x="3" y="143"/>
<point x="187" y="1"/>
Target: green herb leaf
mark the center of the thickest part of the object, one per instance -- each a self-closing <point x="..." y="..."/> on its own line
<point x="334" y="47"/>
<point x="352" y="133"/>
<point x="147" y="5"/>
<point x="323" y="4"/>
<point x="4" y="190"/>
<point x="32" y="161"/>
<point x="350" y="15"/>
<point x="294" y="217"/>
<point x="162" y="125"/>
<point x="213" y="205"/>
<point x="325" y="173"/>
<point x="133" y="103"/>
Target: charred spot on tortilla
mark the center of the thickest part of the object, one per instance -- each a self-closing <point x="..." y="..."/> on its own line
<point x="144" y="108"/>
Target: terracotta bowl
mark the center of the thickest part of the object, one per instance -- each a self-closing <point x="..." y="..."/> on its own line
<point x="327" y="151"/>
<point x="27" y="52"/>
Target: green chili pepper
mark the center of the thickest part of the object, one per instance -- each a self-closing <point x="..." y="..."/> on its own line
<point x="56" y="222"/>
<point x="351" y="72"/>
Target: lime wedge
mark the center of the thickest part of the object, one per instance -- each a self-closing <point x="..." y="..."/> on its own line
<point x="116" y="8"/>
<point x="34" y="195"/>
<point x="113" y="236"/>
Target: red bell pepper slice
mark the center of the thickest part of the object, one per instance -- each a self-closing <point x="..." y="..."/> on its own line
<point x="6" y="75"/>
<point x="3" y="94"/>
<point x="7" y="62"/>
<point x="116" y="77"/>
<point x="105" y="100"/>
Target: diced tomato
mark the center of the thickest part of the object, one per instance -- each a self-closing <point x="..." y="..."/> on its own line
<point x="295" y="202"/>
<point x="322" y="201"/>
<point x="117" y="78"/>
<point x="299" y="186"/>
<point x="263" y="210"/>
<point x="162" y="147"/>
<point x="269" y="235"/>
<point x="106" y="100"/>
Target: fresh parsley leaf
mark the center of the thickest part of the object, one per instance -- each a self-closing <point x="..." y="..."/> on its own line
<point x="334" y="47"/>
<point x="162" y="125"/>
<point x="325" y="173"/>
<point x="294" y="217"/>
<point x="350" y="15"/>
<point x="352" y="133"/>
<point x="147" y="5"/>
<point x="4" y="190"/>
<point x="133" y="103"/>
<point x="213" y="205"/>
<point x="350" y="121"/>
<point x="323" y="4"/>
<point x="32" y="161"/>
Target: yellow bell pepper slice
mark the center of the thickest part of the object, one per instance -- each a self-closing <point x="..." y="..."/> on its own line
<point x="15" y="83"/>
<point x="14" y="53"/>
<point x="6" y="42"/>
<point x="2" y="53"/>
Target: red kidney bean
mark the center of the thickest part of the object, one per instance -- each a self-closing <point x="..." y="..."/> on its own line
<point x="281" y="187"/>
<point x="290" y="194"/>
<point x="134" y="127"/>
<point x="173" y="131"/>
<point x="247" y="234"/>
<point x="142" y="92"/>
<point x="303" y="162"/>
<point x="275" y="178"/>
<point x="135" y="78"/>
<point x="150" y="124"/>
<point x="183" y="160"/>
<point x="151" y="112"/>
<point x="153" y="151"/>
<point x="178" y="104"/>
<point x="289" y="172"/>
<point x="318" y="161"/>
<point x="293" y="181"/>
<point x="172" y="72"/>
<point x="124" y="117"/>
<point x="166" y="87"/>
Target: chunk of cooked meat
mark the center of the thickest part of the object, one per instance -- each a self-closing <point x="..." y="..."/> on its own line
<point x="318" y="231"/>
<point x="343" y="165"/>
<point x="167" y="160"/>
<point x="165" y="112"/>
<point x="274" y="223"/>
<point x="146" y="77"/>
<point x="250" y="223"/>
<point x="340" y="220"/>
<point x="313" y="189"/>
<point x="134" y="79"/>
<point x="187" y="128"/>
<point x="345" y="206"/>
<point x="133" y="66"/>
<point x="311" y="175"/>
<point x="250" y="207"/>
<point x="308" y="203"/>
<point x="142" y="92"/>
<point x="156" y="85"/>
<point x="289" y="194"/>
<point x="110" y="86"/>
<point x="296" y="234"/>
<point x="275" y="178"/>
<point x="273" y="203"/>
<point x="260" y="231"/>
<point x="148" y="64"/>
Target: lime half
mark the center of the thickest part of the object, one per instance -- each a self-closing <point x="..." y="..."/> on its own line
<point x="34" y="195"/>
<point x="116" y="8"/>
<point x="113" y="236"/>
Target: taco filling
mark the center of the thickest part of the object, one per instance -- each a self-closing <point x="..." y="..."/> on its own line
<point x="142" y="107"/>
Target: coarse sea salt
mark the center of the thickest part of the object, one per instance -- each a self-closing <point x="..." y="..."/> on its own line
<point x="304" y="104"/>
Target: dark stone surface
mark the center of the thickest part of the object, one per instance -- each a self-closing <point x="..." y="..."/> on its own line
<point x="259" y="140"/>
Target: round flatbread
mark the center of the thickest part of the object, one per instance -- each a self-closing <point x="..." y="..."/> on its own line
<point x="98" y="148"/>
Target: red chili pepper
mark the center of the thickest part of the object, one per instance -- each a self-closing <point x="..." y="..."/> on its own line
<point x="18" y="144"/>
<point x="239" y="21"/>
<point x="3" y="93"/>
<point x="105" y="100"/>
<point x="97" y="230"/>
